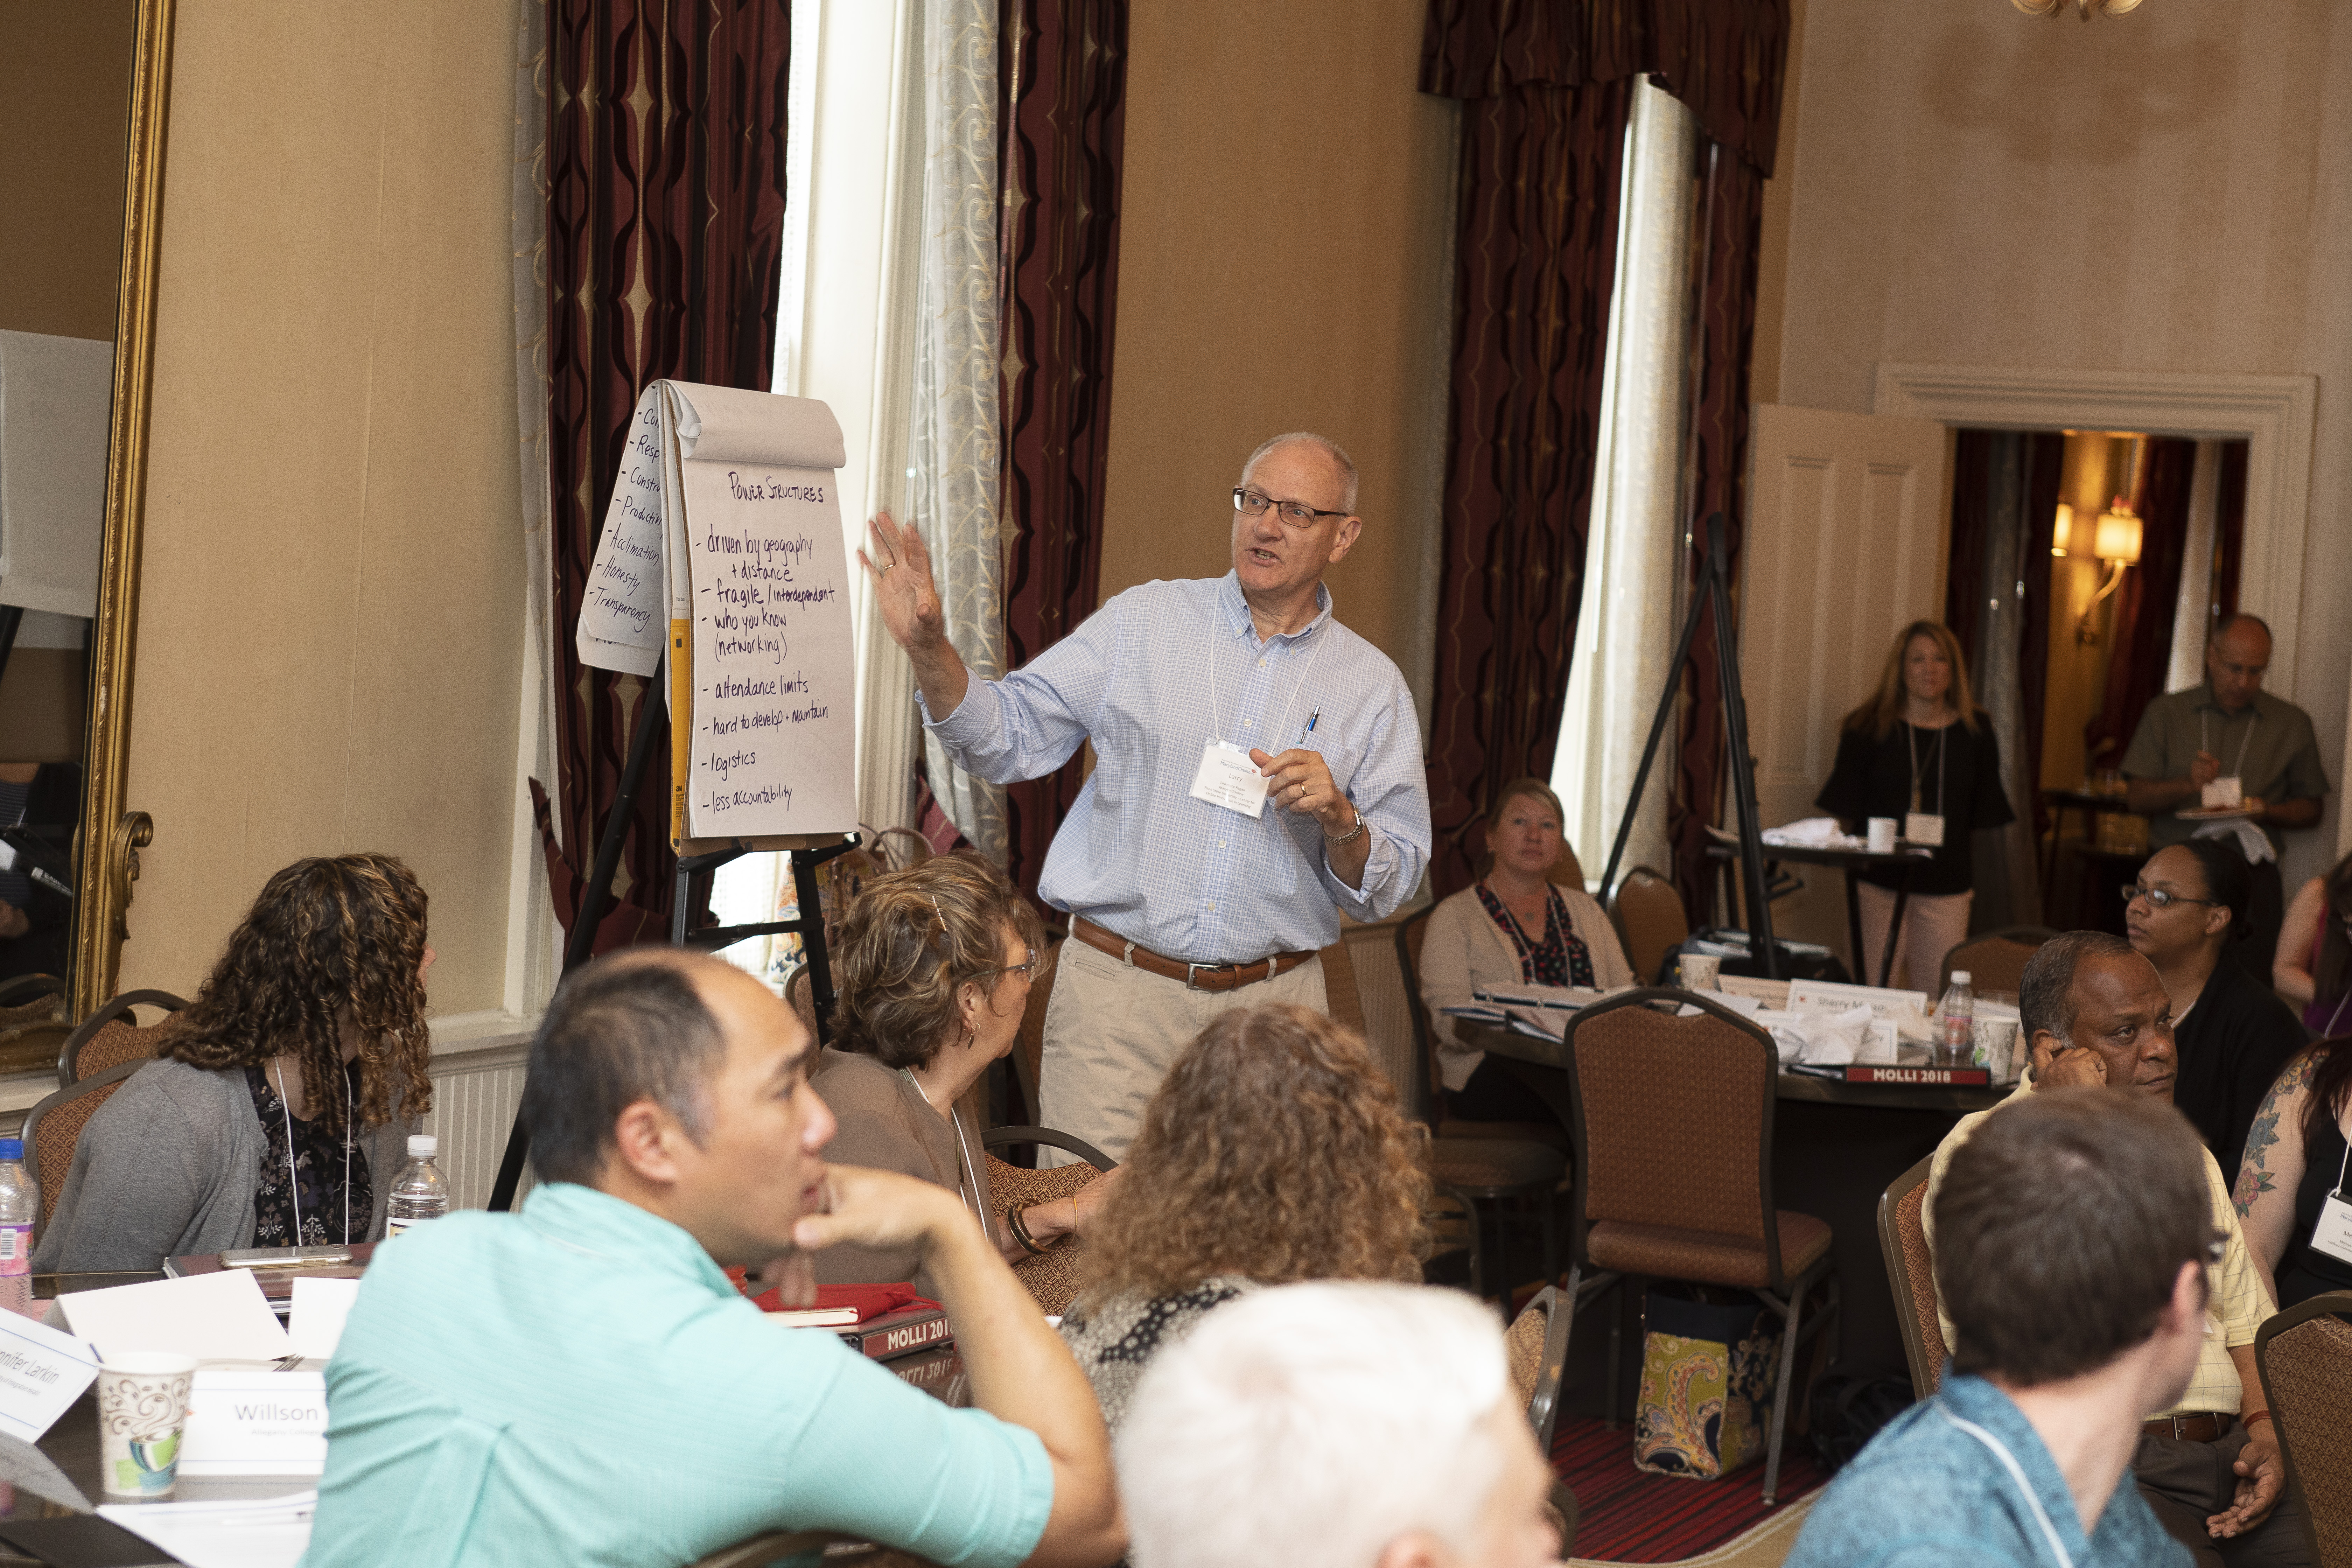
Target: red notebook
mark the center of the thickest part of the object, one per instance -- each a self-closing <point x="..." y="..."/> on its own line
<point x="892" y="1319"/>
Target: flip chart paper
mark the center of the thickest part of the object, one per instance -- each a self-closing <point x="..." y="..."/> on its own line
<point x="55" y="399"/>
<point x="41" y="1373"/>
<point x="621" y="623"/>
<point x="213" y="1317"/>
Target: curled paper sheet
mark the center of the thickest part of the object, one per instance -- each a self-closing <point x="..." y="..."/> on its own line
<point x="1817" y="1040"/>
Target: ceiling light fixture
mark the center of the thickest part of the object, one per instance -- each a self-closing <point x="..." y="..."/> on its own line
<point x="2084" y="8"/>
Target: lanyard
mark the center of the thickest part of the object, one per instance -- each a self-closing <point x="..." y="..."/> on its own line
<point x="294" y="1181"/>
<point x="1911" y="741"/>
<point x="2254" y="716"/>
<point x="2016" y="1473"/>
<point x="1216" y="703"/>
<point x="963" y="1183"/>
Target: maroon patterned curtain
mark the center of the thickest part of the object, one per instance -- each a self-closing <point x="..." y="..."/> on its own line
<point x="1061" y="122"/>
<point x="1542" y="142"/>
<point x="666" y="206"/>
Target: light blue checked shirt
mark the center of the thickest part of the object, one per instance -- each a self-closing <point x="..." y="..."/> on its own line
<point x="1138" y="855"/>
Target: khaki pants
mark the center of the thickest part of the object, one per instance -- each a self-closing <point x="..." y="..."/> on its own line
<point x="1112" y="1032"/>
<point x="1932" y="924"/>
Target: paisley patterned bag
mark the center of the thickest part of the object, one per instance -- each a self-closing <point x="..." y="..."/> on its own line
<point x="1708" y="1375"/>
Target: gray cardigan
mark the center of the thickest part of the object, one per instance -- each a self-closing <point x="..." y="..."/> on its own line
<point x="169" y="1165"/>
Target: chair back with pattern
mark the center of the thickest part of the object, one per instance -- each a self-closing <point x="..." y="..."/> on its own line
<point x="1650" y="917"/>
<point x="1996" y="960"/>
<point x="1911" y="1276"/>
<point x="113" y="1035"/>
<point x="1674" y="1119"/>
<point x="1052" y="1278"/>
<point x="1536" y="1345"/>
<point x="2305" y="1355"/>
<point x="54" y="1127"/>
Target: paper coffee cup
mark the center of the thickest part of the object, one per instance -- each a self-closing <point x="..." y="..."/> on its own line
<point x="1994" y="1048"/>
<point x="142" y="1413"/>
<point x="1701" y="971"/>
<point x="1881" y="836"/>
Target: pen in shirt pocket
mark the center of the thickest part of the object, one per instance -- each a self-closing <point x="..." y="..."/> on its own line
<point x="1312" y="720"/>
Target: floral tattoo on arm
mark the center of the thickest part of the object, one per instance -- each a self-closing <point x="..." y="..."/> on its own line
<point x="2254" y="1177"/>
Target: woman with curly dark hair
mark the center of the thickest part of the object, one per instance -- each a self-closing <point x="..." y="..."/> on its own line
<point x="277" y="1109"/>
<point x="1275" y="1151"/>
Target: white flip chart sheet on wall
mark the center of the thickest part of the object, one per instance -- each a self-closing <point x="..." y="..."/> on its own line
<point x="56" y="402"/>
<point x="725" y="527"/>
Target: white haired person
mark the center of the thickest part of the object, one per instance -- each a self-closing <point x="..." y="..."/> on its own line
<point x="1336" y="1426"/>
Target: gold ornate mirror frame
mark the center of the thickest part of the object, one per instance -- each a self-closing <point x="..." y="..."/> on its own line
<point x="106" y="854"/>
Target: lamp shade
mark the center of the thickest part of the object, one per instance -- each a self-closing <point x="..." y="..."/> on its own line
<point x="2061" y="535"/>
<point x="2118" y="536"/>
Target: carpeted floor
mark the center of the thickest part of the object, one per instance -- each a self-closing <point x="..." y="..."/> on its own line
<point x="1625" y="1515"/>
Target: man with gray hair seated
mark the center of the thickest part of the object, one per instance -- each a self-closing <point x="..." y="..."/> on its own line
<point x="1336" y="1426"/>
<point x="1257" y="771"/>
<point x="2096" y="1015"/>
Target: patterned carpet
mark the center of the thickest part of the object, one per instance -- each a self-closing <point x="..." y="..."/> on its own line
<point x="1625" y="1515"/>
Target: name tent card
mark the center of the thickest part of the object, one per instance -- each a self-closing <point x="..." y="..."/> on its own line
<point x="41" y="1373"/>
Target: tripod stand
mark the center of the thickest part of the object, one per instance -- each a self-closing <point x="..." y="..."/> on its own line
<point x="1713" y="598"/>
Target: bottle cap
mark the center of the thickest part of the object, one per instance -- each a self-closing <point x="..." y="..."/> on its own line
<point x="422" y="1145"/>
<point x="1959" y="977"/>
<point x="12" y="1148"/>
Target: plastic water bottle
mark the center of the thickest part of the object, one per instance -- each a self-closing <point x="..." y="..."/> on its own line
<point x="422" y="1193"/>
<point x="1956" y="1022"/>
<point x="19" y="1205"/>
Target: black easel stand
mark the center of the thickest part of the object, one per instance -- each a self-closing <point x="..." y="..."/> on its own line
<point x="599" y="891"/>
<point x="1714" y="597"/>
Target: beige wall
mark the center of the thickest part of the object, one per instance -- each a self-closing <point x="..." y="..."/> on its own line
<point x="329" y="633"/>
<point x="1282" y="238"/>
<point x="2157" y="192"/>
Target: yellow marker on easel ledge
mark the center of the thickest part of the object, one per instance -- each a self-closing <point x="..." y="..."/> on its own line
<point x="681" y="722"/>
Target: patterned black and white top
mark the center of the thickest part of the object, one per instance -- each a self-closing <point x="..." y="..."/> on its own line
<point x="319" y="1164"/>
<point x="1113" y="1343"/>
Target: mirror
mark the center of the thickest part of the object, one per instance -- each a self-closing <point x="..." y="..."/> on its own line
<point x="81" y="99"/>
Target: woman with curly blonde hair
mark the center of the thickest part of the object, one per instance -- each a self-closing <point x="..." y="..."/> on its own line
<point x="277" y="1109"/>
<point x="1275" y="1151"/>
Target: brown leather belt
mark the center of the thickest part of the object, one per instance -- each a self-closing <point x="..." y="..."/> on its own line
<point x="1196" y="976"/>
<point x="2202" y="1428"/>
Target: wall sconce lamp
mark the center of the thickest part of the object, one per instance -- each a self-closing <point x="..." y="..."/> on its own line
<point x="2116" y="542"/>
<point x="2062" y="534"/>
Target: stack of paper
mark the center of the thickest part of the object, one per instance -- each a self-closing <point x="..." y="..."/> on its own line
<point x="239" y="1533"/>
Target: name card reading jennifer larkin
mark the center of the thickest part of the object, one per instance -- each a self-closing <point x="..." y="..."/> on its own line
<point x="774" y="734"/>
<point x="41" y="1373"/>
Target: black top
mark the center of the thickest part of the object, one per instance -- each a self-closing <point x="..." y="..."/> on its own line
<point x="2236" y="1039"/>
<point x="2303" y="1271"/>
<point x="1561" y="959"/>
<point x="334" y="1210"/>
<point x="1872" y="778"/>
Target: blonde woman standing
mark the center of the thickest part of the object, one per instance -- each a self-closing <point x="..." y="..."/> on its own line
<point x="1921" y="752"/>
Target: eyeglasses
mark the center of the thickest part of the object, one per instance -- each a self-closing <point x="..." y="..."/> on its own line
<point x="2159" y="898"/>
<point x="1293" y="514"/>
<point x="1027" y="971"/>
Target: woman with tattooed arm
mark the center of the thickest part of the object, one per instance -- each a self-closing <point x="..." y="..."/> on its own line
<point x="2294" y="1167"/>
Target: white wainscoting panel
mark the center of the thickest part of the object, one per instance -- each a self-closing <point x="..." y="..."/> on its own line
<point x="1388" y="1013"/>
<point x="473" y="1099"/>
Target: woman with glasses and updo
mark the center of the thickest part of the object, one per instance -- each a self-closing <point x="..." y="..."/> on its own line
<point x="933" y="965"/>
<point x="279" y="1109"/>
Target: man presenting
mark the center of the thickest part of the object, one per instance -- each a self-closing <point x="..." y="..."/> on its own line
<point x="2096" y="1014"/>
<point x="2233" y="739"/>
<point x="1257" y="770"/>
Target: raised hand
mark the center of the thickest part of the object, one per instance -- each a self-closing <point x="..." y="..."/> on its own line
<point x="903" y="588"/>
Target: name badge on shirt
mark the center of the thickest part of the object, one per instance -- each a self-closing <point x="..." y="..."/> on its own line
<point x="2333" y="1234"/>
<point x="1228" y="778"/>
<point x="1924" y="827"/>
<point x="2224" y="793"/>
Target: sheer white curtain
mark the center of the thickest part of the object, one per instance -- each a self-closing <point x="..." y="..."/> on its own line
<point x="1625" y="628"/>
<point x="952" y="456"/>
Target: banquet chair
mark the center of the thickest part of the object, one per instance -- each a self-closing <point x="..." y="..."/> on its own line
<point x="1996" y="960"/>
<point x="1491" y="1172"/>
<point x="770" y="1546"/>
<point x="1911" y="1276"/>
<point x="1053" y="1276"/>
<point x="113" y="1035"/>
<point x="1536" y="1345"/>
<point x="1651" y="918"/>
<point x="1673" y="1144"/>
<point x="2305" y="1356"/>
<point x="1410" y="937"/>
<point x="53" y="1128"/>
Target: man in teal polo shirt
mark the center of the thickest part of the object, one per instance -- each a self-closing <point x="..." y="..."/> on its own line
<point x="580" y="1384"/>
